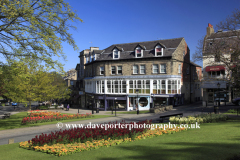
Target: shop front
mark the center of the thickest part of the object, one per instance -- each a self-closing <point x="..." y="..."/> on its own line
<point x="138" y="101"/>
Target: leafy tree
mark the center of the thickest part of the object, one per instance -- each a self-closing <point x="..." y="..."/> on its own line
<point x="35" y="28"/>
<point x="27" y="81"/>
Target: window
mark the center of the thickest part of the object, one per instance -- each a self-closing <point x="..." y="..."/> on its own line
<point x="179" y="68"/>
<point x="93" y="58"/>
<point x="155" y="68"/>
<point x="179" y="87"/>
<point x="154" y="87"/>
<point x="102" y="86"/>
<point x="115" y="54"/>
<point x="142" y="69"/>
<point x="109" y="86"/>
<point x="210" y="43"/>
<point x="187" y="70"/>
<point x="135" y="69"/>
<point x="71" y="82"/>
<point x="101" y="70"/>
<point x="113" y="70"/>
<point x="183" y="54"/>
<point x="86" y="59"/>
<point x="163" y="87"/>
<point x="158" y="51"/>
<point x="138" y="52"/>
<point x="143" y="86"/>
<point x="119" y="69"/>
<point x="163" y="68"/>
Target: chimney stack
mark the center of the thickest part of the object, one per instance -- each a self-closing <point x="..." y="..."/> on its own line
<point x="210" y="29"/>
<point x="94" y="48"/>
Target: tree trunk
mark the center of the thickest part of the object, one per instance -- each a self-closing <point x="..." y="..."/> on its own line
<point x="30" y="104"/>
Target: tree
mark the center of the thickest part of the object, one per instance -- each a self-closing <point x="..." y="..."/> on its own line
<point x="35" y="28"/>
<point x="27" y="81"/>
<point x="223" y="48"/>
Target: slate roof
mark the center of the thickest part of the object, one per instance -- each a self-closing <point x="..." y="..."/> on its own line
<point x="224" y="34"/>
<point x="149" y="46"/>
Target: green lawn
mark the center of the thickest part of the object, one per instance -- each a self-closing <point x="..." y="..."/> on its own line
<point x="129" y="112"/>
<point x="15" y="121"/>
<point x="212" y="141"/>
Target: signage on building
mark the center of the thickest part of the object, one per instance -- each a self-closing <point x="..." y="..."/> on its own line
<point x="80" y="92"/>
<point x="143" y="102"/>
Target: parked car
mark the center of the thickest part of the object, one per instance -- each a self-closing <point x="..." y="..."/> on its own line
<point x="236" y="101"/>
<point x="1" y="107"/>
<point x="14" y="104"/>
<point x="7" y="104"/>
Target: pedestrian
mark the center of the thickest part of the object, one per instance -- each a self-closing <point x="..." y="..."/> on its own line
<point x="68" y="107"/>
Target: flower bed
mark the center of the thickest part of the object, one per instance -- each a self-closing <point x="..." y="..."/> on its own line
<point x="37" y="111"/>
<point x="66" y="149"/>
<point x="89" y="134"/>
<point x="48" y="113"/>
<point x="202" y="118"/>
<point x="32" y="120"/>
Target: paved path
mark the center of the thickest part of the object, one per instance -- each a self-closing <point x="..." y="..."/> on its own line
<point x="24" y="134"/>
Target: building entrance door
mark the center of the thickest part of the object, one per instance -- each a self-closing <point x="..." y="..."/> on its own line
<point x="210" y="97"/>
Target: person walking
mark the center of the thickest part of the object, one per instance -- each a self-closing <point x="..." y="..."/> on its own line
<point x="68" y="107"/>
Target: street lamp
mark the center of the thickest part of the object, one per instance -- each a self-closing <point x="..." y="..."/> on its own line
<point x="218" y="84"/>
<point x="92" y="103"/>
<point x="115" y="108"/>
<point x="137" y="101"/>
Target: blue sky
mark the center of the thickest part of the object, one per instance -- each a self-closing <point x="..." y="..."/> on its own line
<point x="107" y="22"/>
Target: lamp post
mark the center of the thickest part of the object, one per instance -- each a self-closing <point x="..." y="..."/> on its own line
<point x="92" y="104"/>
<point x="115" y="109"/>
<point x="137" y="101"/>
<point x="218" y="84"/>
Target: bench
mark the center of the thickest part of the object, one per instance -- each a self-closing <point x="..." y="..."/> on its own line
<point x="6" y="115"/>
<point x="170" y="115"/>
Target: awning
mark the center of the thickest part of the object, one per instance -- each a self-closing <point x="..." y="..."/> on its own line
<point x="214" y="68"/>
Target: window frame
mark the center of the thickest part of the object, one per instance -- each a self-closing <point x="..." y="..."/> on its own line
<point x="154" y="68"/>
<point x="158" y="46"/>
<point x="112" y="70"/>
<point x="144" y="69"/>
<point x="179" y="68"/>
<point x="161" y="68"/>
<point x="118" y="69"/>
<point x="118" y="53"/>
<point x="102" y="70"/>
<point x="138" y="48"/>
<point x="136" y="68"/>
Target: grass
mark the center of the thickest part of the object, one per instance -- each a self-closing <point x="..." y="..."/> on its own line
<point x="129" y="112"/>
<point x="212" y="141"/>
<point x="15" y="121"/>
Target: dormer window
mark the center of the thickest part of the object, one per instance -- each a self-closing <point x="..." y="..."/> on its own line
<point x="116" y="54"/>
<point x="86" y="59"/>
<point x="93" y="58"/>
<point x="158" y="51"/>
<point x="138" y="52"/>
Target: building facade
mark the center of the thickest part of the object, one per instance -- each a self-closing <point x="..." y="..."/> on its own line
<point x="137" y="75"/>
<point x="215" y="71"/>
